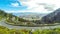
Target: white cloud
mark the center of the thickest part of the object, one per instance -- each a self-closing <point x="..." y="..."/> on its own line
<point x="38" y="5"/>
<point x="15" y="4"/>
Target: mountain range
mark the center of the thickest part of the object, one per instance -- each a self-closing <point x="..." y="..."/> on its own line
<point x="30" y="15"/>
<point x="13" y="19"/>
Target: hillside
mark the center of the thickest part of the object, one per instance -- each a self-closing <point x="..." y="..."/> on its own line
<point x="53" y="17"/>
<point x="9" y="16"/>
<point x="29" y="15"/>
<point x="11" y="19"/>
<point x="49" y="19"/>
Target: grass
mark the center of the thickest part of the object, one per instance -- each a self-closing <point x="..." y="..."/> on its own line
<point x="5" y="30"/>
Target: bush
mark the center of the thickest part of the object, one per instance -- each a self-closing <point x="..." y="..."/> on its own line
<point x="4" y="30"/>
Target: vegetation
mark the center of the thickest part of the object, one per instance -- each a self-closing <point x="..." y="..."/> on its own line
<point x="11" y="19"/>
<point x="52" y="18"/>
<point x="14" y="20"/>
<point x="4" y="30"/>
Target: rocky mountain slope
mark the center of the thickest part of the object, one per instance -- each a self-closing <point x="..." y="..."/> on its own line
<point x="53" y="17"/>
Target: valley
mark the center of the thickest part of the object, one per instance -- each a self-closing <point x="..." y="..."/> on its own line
<point x="31" y="20"/>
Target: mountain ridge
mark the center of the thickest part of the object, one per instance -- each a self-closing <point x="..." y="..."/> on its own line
<point x="52" y="17"/>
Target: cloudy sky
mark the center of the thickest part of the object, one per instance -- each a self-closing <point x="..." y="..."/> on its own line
<point x="37" y="6"/>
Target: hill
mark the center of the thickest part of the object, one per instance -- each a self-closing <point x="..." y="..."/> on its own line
<point x="49" y="19"/>
<point x="53" y="17"/>
<point x="11" y="19"/>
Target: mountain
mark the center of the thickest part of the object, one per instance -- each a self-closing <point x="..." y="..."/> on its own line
<point x="9" y="15"/>
<point x="29" y="15"/>
<point x="53" y="17"/>
<point x="9" y="18"/>
<point x="13" y="19"/>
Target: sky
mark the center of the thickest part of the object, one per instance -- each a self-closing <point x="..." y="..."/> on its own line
<point x="36" y="6"/>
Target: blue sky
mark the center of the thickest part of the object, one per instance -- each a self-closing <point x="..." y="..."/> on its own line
<point x="7" y="5"/>
<point x="37" y="6"/>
